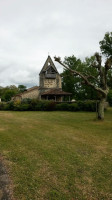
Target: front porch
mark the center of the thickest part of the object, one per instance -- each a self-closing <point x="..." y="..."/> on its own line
<point x="56" y="95"/>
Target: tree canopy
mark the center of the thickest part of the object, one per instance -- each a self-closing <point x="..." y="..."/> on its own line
<point x="21" y="88"/>
<point x="74" y="84"/>
<point x="92" y="72"/>
<point x="6" y="93"/>
<point x="106" y="44"/>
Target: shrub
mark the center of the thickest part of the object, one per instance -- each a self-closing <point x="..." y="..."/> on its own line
<point x="24" y="107"/>
<point x="2" y="105"/>
<point x="17" y="105"/>
<point x="62" y="107"/>
<point x="9" y="105"/>
<point x="35" y="105"/>
<point x="89" y="106"/>
<point x="51" y="105"/>
<point x="74" y="107"/>
<point x="109" y="97"/>
<point x="39" y="106"/>
<point x="27" y="100"/>
<point x="32" y="105"/>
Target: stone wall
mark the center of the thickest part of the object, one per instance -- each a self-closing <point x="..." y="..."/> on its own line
<point x="32" y="94"/>
<point x="50" y="83"/>
<point x="29" y="94"/>
<point x="59" y="81"/>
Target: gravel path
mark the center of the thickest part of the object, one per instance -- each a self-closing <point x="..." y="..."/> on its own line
<point x="4" y="183"/>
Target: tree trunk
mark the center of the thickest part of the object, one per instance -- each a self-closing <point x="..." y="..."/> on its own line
<point x="101" y="107"/>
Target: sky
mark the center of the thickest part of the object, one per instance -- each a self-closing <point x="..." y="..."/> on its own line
<point x="32" y="29"/>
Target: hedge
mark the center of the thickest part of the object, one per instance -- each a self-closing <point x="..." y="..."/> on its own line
<point x="35" y="105"/>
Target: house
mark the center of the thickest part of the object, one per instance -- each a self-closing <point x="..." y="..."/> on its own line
<point x="50" y="85"/>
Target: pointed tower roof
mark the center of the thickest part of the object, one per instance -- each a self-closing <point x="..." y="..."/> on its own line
<point x="48" y="63"/>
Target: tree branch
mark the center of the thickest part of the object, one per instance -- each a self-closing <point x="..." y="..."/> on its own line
<point x="103" y="92"/>
<point x="100" y="69"/>
<point x="90" y="76"/>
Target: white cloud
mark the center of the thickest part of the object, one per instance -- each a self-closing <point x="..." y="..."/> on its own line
<point x="29" y="29"/>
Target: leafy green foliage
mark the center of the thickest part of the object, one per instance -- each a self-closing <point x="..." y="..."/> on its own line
<point x="109" y="97"/>
<point x="69" y="83"/>
<point x="7" y="92"/>
<point x="106" y="44"/>
<point x="35" y="105"/>
<point x="109" y="79"/>
<point x="21" y="88"/>
<point x="74" y="84"/>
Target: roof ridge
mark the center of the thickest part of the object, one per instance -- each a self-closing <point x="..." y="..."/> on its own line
<point x="28" y="90"/>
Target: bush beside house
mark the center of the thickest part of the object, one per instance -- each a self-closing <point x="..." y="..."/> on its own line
<point x="35" y="105"/>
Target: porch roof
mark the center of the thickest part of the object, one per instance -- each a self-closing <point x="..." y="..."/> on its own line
<point x="56" y="92"/>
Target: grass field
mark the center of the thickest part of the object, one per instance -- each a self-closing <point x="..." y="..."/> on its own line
<point x="57" y="155"/>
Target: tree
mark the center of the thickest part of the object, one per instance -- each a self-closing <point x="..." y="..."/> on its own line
<point x="74" y="84"/>
<point x="6" y="93"/>
<point x="106" y="45"/>
<point x="106" y="49"/>
<point x="100" y="84"/>
<point x="109" y="97"/>
<point x="21" y="88"/>
<point x="69" y="83"/>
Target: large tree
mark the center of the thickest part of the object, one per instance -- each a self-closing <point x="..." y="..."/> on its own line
<point x="22" y="88"/>
<point x="106" y="49"/>
<point x="69" y="83"/>
<point x="100" y="84"/>
<point x="6" y="93"/>
<point x="74" y="84"/>
<point x="106" y="45"/>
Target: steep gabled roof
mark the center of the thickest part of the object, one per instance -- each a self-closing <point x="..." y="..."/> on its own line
<point x="45" y="67"/>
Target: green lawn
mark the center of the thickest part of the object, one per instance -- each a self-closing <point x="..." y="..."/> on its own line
<point x="57" y="155"/>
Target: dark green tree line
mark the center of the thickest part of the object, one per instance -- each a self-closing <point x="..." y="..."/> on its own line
<point x="6" y="93"/>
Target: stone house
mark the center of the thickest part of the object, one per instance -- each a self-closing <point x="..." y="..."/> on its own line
<point x="50" y="85"/>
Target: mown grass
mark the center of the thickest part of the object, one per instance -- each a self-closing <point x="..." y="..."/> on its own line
<point x="57" y="155"/>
